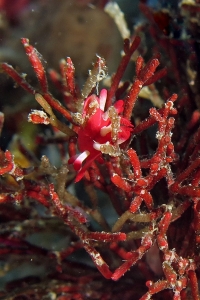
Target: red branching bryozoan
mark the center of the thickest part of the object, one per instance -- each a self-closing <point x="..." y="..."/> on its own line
<point x="150" y="194"/>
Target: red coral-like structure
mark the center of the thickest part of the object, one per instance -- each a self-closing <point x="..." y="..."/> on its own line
<point x="153" y="195"/>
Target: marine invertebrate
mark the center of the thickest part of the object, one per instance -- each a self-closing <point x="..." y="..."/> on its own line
<point x="100" y="132"/>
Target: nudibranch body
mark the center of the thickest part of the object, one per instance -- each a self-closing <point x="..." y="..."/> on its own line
<point x="100" y="132"/>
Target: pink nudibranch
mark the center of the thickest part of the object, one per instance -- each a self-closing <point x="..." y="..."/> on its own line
<point x="96" y="131"/>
